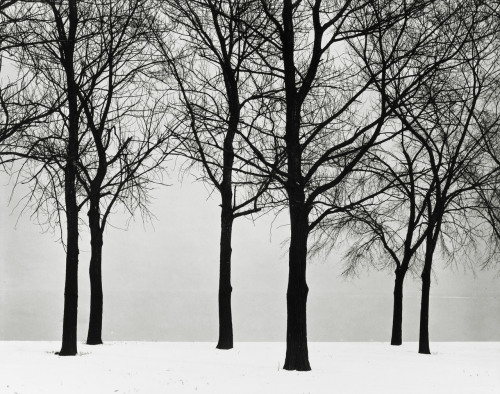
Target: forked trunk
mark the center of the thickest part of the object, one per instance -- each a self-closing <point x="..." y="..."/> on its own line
<point x="397" y="314"/>
<point x="94" y="336"/>
<point x="225" y="289"/>
<point x="297" y="356"/>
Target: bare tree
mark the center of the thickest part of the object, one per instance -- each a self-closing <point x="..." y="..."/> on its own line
<point x="122" y="133"/>
<point x="106" y="136"/>
<point x="207" y="62"/>
<point x="386" y="230"/>
<point x="121" y="108"/>
<point x="328" y="122"/>
<point x="391" y="227"/>
<point x="457" y="161"/>
<point x="439" y="123"/>
<point x="62" y="21"/>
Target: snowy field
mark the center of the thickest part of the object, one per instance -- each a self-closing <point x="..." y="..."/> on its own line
<point x="179" y="367"/>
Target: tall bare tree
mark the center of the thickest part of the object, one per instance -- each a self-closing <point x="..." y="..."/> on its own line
<point x="55" y="27"/>
<point x="391" y="227"/>
<point x="457" y="159"/>
<point x="208" y="63"/>
<point x="386" y="230"/>
<point x="128" y="138"/>
<point x="329" y="119"/>
<point x="438" y="122"/>
<point x="122" y="133"/>
<point x="105" y="138"/>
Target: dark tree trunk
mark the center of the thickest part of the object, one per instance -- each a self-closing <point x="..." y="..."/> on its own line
<point x="297" y="356"/>
<point x="69" y="336"/>
<point x="227" y="214"/>
<point x="225" y="289"/>
<point x="423" y="340"/>
<point x="96" y="295"/>
<point x="430" y="247"/>
<point x="397" y="314"/>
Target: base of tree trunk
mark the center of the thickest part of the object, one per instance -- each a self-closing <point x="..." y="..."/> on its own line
<point x="224" y="345"/>
<point x="67" y="352"/>
<point x="94" y="342"/>
<point x="297" y="358"/>
<point x="396" y="342"/>
<point x="294" y="366"/>
<point x="423" y="349"/>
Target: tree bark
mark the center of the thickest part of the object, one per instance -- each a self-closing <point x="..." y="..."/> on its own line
<point x="225" y="289"/>
<point x="297" y="355"/>
<point x="227" y="214"/>
<point x="94" y="336"/>
<point x="430" y="247"/>
<point x="423" y="340"/>
<point x="397" y="314"/>
<point x="69" y="337"/>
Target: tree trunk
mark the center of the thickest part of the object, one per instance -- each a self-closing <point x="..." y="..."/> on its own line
<point x="225" y="289"/>
<point x="69" y="336"/>
<point x="96" y="295"/>
<point x="297" y="357"/>
<point x="423" y="340"/>
<point x="397" y="314"/>
<point x="431" y="241"/>
<point x="227" y="214"/>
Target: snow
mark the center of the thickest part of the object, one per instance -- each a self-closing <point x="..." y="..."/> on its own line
<point x="182" y="367"/>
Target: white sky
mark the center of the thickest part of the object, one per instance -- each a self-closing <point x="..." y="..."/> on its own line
<point x="161" y="283"/>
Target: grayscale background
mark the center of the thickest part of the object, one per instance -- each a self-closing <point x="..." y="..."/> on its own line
<point x="161" y="278"/>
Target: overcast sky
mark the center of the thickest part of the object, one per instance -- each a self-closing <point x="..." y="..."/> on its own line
<point x="160" y="283"/>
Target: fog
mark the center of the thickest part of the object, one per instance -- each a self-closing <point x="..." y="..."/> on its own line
<point x="161" y="279"/>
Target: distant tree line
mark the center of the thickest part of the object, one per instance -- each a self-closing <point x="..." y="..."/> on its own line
<point x="369" y="120"/>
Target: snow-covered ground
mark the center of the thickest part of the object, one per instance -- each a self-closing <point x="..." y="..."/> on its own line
<point x="179" y="367"/>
